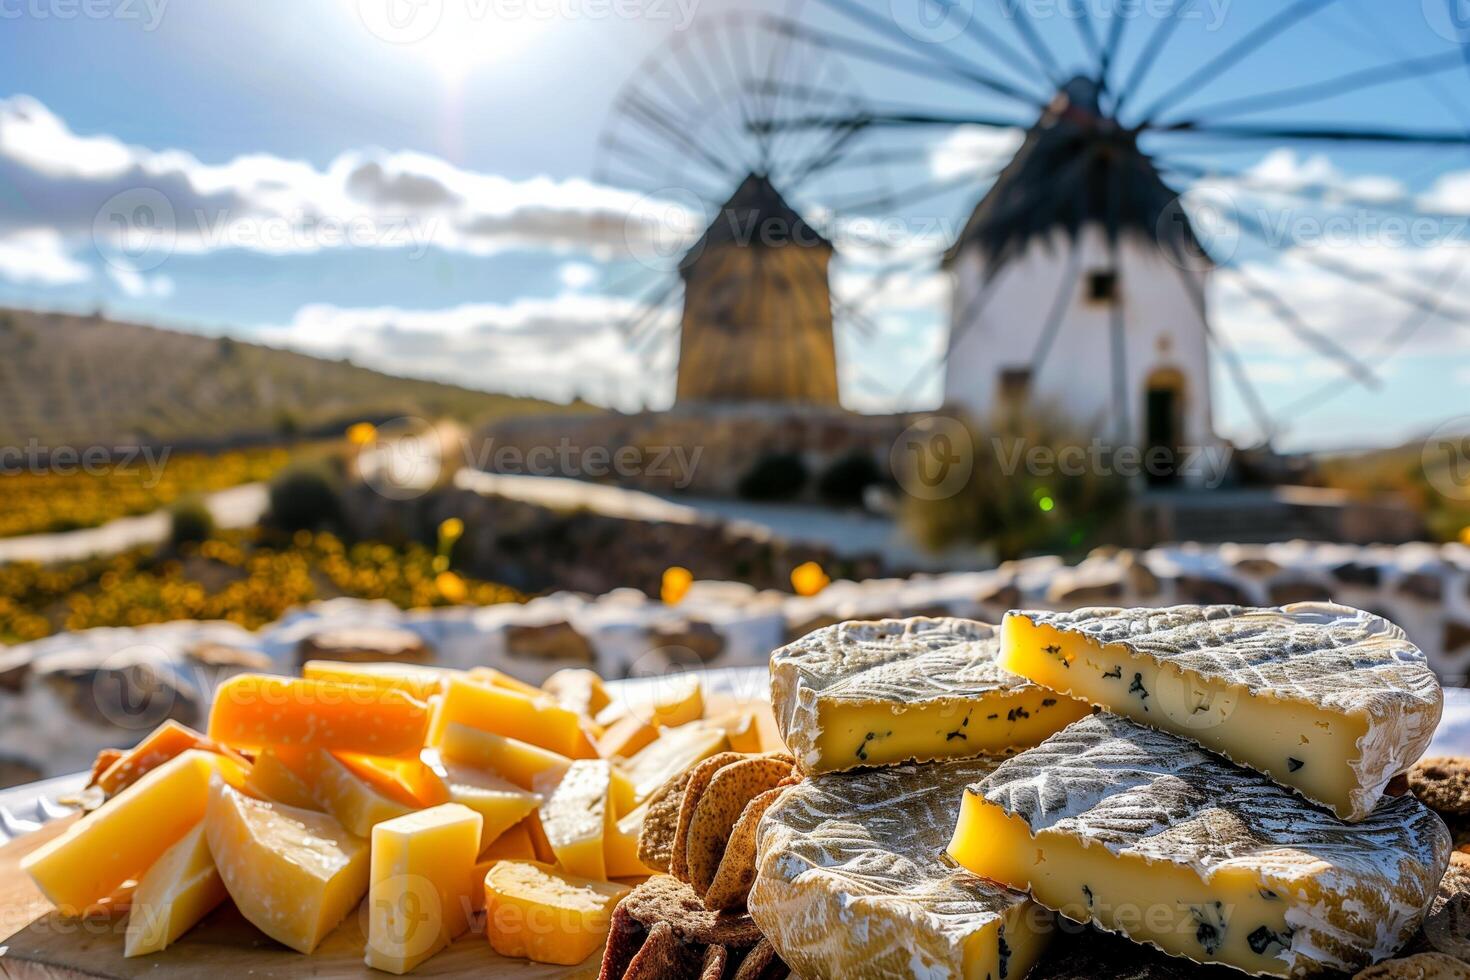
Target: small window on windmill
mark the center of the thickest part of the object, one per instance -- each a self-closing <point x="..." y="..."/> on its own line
<point x="1015" y="387"/>
<point x="1102" y="287"/>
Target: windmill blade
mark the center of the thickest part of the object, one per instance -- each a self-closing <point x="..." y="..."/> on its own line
<point x="1354" y="81"/>
<point x="921" y="191"/>
<point x="896" y="119"/>
<point x="652" y="305"/>
<point x="998" y="46"/>
<point x="885" y="28"/>
<point x="1294" y="322"/>
<point x="1151" y="51"/>
<point x="1110" y="50"/>
<point x="1088" y="33"/>
<point x="1295" y="131"/>
<point x="640" y="110"/>
<point x="1246" y="46"/>
<point x="1116" y="327"/>
<point x="1045" y="60"/>
<point x="1059" y="306"/>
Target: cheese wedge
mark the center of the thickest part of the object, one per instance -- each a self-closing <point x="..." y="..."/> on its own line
<point x="418" y="682"/>
<point x="160" y="745"/>
<point x="852" y="881"/>
<point x="537" y="720"/>
<point x="499" y="678"/>
<point x="577" y="817"/>
<point x="294" y="874"/>
<point x="500" y="804"/>
<point x="513" y="845"/>
<point x="620" y="848"/>
<point x="254" y="710"/>
<point x="356" y="803"/>
<point x="419" y="893"/>
<point x="625" y="737"/>
<point x="533" y="911"/>
<point x="93" y="857"/>
<point x="1141" y="833"/>
<point x="272" y="778"/>
<point x="517" y="761"/>
<point x="181" y="888"/>
<point x="878" y="693"/>
<point x="578" y="689"/>
<point x="675" y="750"/>
<point x="410" y="781"/>
<point x="1327" y="700"/>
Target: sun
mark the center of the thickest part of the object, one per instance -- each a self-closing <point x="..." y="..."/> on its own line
<point x="456" y="37"/>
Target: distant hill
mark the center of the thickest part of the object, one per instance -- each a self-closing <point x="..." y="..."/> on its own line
<point x="85" y="380"/>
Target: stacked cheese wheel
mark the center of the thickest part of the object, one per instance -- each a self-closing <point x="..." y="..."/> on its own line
<point x="434" y="794"/>
<point x="1205" y="781"/>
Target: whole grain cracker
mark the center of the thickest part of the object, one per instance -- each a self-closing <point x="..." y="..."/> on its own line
<point x="1425" y="966"/>
<point x="1442" y="784"/>
<point x="694" y="787"/>
<point x="737" y="868"/>
<point x="718" y="810"/>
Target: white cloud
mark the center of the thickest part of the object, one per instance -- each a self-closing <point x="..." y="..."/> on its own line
<point x="95" y="191"/>
<point x="139" y="285"/>
<point x="973" y="149"/>
<point x="577" y="275"/>
<point x="38" y="257"/>
<point x="555" y="348"/>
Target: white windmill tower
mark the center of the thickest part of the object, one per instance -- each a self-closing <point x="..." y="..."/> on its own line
<point x="1078" y="286"/>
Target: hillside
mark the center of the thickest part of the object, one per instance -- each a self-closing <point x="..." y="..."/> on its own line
<point x="83" y="380"/>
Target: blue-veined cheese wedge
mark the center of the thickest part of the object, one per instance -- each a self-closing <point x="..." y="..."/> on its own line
<point x="1142" y="833"/>
<point x="852" y="881"/>
<point x="1330" y="701"/>
<point x="911" y="690"/>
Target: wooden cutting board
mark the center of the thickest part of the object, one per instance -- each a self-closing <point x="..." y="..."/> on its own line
<point x="38" y="944"/>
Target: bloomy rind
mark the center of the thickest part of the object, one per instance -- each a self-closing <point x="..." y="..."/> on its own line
<point x="912" y="661"/>
<point x="851" y="879"/>
<point x="1323" y="654"/>
<point x="1144" y="793"/>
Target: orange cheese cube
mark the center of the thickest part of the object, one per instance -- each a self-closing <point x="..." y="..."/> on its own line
<point x="538" y="720"/>
<point x="181" y="888"/>
<point x="741" y="728"/>
<point x="293" y="873"/>
<point x="422" y="875"/>
<point x="533" y="911"/>
<point x="517" y="761"/>
<point x="577" y="817"/>
<point x="500" y="804"/>
<point x="254" y="710"/>
<point x="411" y="782"/>
<point x="93" y="857"/>
<point x="418" y="682"/>
<point x="160" y="745"/>
<point x="272" y="778"/>
<point x="357" y="804"/>
<point x="513" y="845"/>
<point x="625" y="737"/>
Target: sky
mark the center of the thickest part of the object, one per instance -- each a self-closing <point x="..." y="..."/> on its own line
<point x="437" y="187"/>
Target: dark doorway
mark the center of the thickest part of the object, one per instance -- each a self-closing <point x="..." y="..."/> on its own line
<point x="1163" y="414"/>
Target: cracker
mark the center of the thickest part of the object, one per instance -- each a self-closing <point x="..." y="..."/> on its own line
<point x="1425" y="966"/>
<point x="1442" y="784"/>
<point x="698" y="781"/>
<point x="718" y="810"/>
<point x="737" y="868"/>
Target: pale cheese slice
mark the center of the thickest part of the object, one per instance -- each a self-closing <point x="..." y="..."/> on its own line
<point x="911" y="690"/>
<point x="577" y="817"/>
<point x="181" y="888"/>
<point x="1330" y="701"/>
<point x="852" y="882"/>
<point x="1141" y="833"/>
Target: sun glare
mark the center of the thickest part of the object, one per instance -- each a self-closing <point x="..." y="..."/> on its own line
<point x="456" y="37"/>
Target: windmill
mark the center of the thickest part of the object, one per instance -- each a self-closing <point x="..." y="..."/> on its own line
<point x="1081" y="278"/>
<point x="738" y="300"/>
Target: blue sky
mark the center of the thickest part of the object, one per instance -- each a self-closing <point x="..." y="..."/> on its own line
<point x="488" y="254"/>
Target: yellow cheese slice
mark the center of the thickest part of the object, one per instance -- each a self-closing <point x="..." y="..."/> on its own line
<point x="498" y="678"/>
<point x="537" y="720"/>
<point x="357" y="804"/>
<point x="1142" y="833"/>
<point x="419" y="893"/>
<point x="620" y="849"/>
<point x="578" y="689"/>
<point x="93" y="857"/>
<point x="272" y="778"/>
<point x="500" y="803"/>
<point x="577" y="817"/>
<point x="533" y="911"/>
<point x="1330" y="701"/>
<point x="181" y="888"/>
<point x="418" y="682"/>
<point x="675" y="750"/>
<point x="517" y="761"/>
<point x="294" y="874"/>
<point x="625" y="737"/>
<point x="879" y="693"/>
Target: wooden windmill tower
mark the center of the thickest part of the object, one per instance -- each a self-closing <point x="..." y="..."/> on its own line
<point x="757" y="320"/>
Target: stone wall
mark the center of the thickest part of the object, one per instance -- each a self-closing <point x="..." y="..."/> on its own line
<point x="65" y="697"/>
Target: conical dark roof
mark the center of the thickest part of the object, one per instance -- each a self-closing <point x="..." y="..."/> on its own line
<point x="1075" y="168"/>
<point x="756" y="215"/>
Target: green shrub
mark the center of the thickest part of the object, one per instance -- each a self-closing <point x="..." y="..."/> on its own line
<point x="844" y="483"/>
<point x="304" y="498"/>
<point x="190" y="522"/>
<point x="1018" y="508"/>
<point x="775" y="476"/>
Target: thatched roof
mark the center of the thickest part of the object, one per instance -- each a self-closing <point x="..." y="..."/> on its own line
<point x="1075" y="168"/>
<point x="756" y="216"/>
